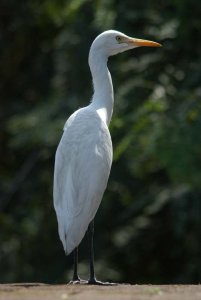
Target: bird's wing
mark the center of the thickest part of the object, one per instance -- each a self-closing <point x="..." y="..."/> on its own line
<point x="82" y="167"/>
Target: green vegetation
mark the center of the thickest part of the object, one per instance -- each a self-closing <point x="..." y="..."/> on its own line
<point x="148" y="228"/>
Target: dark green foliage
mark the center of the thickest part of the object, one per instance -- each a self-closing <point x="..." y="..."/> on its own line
<point x="148" y="228"/>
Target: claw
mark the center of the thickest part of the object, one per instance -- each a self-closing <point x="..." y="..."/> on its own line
<point x="78" y="281"/>
<point x="97" y="282"/>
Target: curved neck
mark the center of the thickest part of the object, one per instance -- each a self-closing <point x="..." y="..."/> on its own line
<point x="103" y="97"/>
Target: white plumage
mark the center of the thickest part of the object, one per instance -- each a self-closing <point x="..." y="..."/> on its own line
<point x="84" y="155"/>
<point x="83" y="162"/>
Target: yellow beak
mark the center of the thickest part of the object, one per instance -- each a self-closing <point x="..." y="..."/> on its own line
<point x="143" y="43"/>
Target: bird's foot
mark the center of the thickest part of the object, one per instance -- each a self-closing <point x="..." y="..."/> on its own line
<point x="77" y="280"/>
<point x="93" y="281"/>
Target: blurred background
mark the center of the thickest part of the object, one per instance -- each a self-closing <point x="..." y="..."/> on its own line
<point x="148" y="228"/>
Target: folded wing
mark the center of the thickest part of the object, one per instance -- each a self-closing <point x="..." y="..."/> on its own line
<point x="82" y="166"/>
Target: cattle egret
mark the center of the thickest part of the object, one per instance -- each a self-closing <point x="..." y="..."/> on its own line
<point x="84" y="154"/>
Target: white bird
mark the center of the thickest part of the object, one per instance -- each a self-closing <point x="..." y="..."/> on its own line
<point x="84" y="154"/>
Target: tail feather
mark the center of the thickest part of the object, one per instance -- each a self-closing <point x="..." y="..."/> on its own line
<point x="72" y="232"/>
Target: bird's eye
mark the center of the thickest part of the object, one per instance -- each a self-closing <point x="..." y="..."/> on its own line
<point x="118" y="38"/>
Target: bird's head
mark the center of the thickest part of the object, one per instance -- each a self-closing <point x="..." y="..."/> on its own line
<point x="112" y="42"/>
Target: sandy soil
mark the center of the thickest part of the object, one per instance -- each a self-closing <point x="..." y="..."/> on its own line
<point x="33" y="291"/>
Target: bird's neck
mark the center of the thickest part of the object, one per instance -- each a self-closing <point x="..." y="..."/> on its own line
<point x="103" y="97"/>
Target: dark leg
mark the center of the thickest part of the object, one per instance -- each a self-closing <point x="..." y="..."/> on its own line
<point x="75" y="275"/>
<point x="76" y="278"/>
<point x="92" y="277"/>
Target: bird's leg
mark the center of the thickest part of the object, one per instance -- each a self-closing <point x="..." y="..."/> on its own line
<point x="75" y="274"/>
<point x="92" y="278"/>
<point x="76" y="278"/>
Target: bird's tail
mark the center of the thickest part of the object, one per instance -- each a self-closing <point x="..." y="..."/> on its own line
<point x="62" y="199"/>
<point x="63" y="227"/>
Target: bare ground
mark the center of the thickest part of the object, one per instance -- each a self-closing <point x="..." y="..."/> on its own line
<point x="33" y="291"/>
